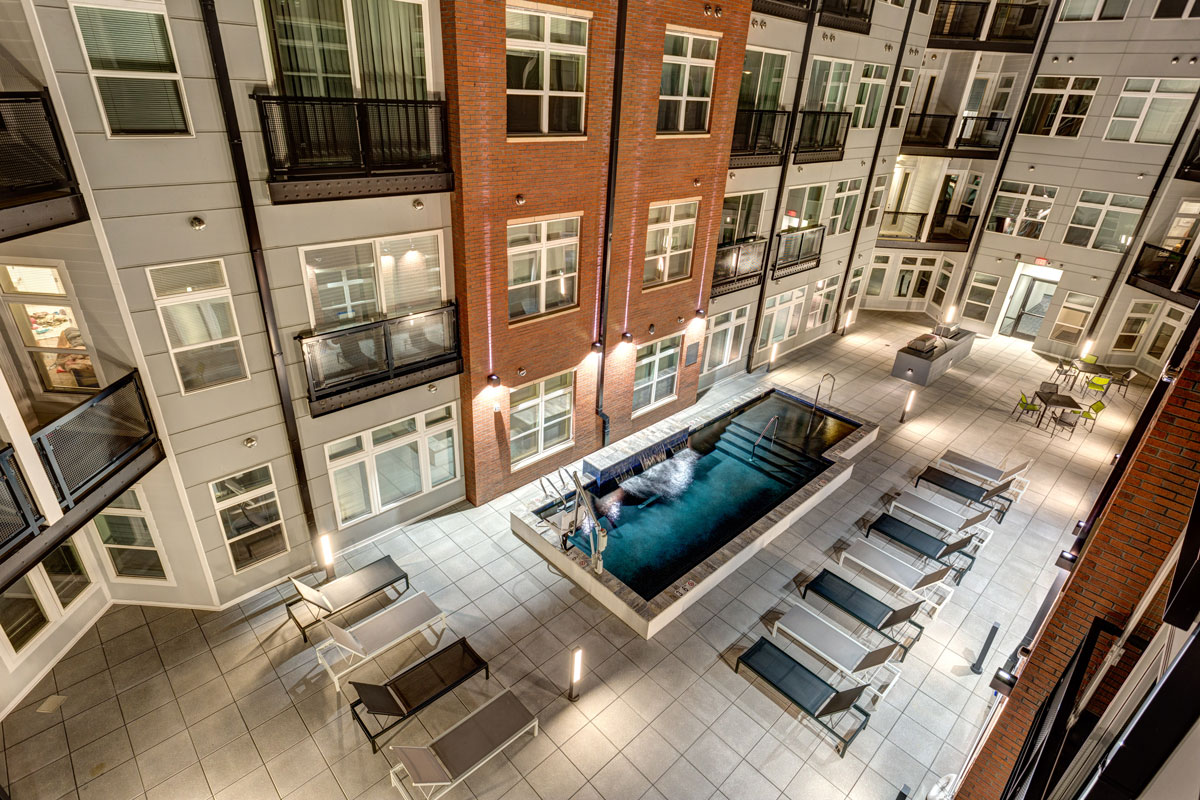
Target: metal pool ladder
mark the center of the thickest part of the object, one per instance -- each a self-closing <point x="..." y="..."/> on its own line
<point x="817" y="400"/>
<point x="772" y="421"/>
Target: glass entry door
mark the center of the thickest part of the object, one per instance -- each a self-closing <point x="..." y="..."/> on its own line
<point x="1027" y="309"/>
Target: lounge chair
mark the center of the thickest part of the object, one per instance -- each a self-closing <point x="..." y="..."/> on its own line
<point x="929" y="586"/>
<point x="958" y="462"/>
<point x="864" y="607"/>
<point x="415" y="687"/>
<point x="838" y="648"/>
<point x="924" y="544"/>
<point x="943" y="518"/>
<point x="809" y="693"/>
<point x="341" y="594"/>
<point x="347" y="649"/>
<point x="450" y="758"/>
<point x="969" y="492"/>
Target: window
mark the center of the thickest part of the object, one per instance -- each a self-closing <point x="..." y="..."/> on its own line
<point x="724" y="335"/>
<point x="1165" y="334"/>
<point x="543" y="265"/>
<point x="1184" y="227"/>
<point x="845" y="203"/>
<point x="1104" y="221"/>
<point x="877" y="275"/>
<point x="43" y="310"/>
<point x="351" y="282"/>
<point x="66" y="574"/>
<point x="980" y="295"/>
<point x="914" y="277"/>
<point x="1072" y="318"/>
<point x="903" y="93"/>
<point x="872" y="86"/>
<point x="21" y="613"/>
<point x="687" y="80"/>
<point x="828" y="84"/>
<point x="196" y="311"/>
<point x="1021" y="209"/>
<point x="1151" y="110"/>
<point x="1134" y="328"/>
<point x="539" y="417"/>
<point x="875" y="203"/>
<point x="248" y="509"/>
<point x="781" y="317"/>
<point x="547" y="67"/>
<point x="131" y="60"/>
<point x="1088" y="10"/>
<point x="1004" y="90"/>
<point x="740" y="217"/>
<point x="762" y="79"/>
<point x="943" y="284"/>
<point x="1177" y="9"/>
<point x="654" y="373"/>
<point x="1058" y="105"/>
<point x="970" y="195"/>
<point x="821" y="308"/>
<point x="128" y="536"/>
<point x="375" y="470"/>
<point x="802" y="209"/>
<point x="670" y="230"/>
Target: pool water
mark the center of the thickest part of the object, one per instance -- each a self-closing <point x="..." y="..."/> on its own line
<point x="674" y="515"/>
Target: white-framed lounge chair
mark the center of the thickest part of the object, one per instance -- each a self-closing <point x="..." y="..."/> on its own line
<point x="969" y="493"/>
<point x="472" y="742"/>
<point x="943" y="518"/>
<point x="985" y="472"/>
<point x="340" y="594"/>
<point x="347" y="649"/>
<point x="930" y="586"/>
<point x="841" y="650"/>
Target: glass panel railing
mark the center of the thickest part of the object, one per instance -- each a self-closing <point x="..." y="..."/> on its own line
<point x="1016" y="22"/>
<point x="758" y="132"/>
<point x="929" y="130"/>
<point x="1158" y="265"/>
<point x="738" y="266"/>
<point x="1189" y="168"/>
<point x="33" y="160"/>
<point x="821" y="132"/>
<point x="958" y="20"/>
<point x="952" y="228"/>
<point x="787" y="9"/>
<point x="902" y="225"/>
<point x="848" y="15"/>
<point x="985" y="133"/>
<point x="800" y="244"/>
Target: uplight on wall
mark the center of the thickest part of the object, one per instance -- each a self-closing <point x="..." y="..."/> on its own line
<point x="1087" y="348"/>
<point x="576" y="674"/>
<point x="950" y="312"/>
<point x="774" y="353"/>
<point x="326" y="550"/>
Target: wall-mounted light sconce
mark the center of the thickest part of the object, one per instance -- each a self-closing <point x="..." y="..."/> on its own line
<point x="1003" y="681"/>
<point x="1032" y="167"/>
<point x="597" y="347"/>
<point x="679" y="320"/>
<point x="197" y="223"/>
<point x="700" y="312"/>
<point x="521" y="372"/>
<point x="493" y="380"/>
<point x="1192" y="60"/>
<point x="432" y="388"/>
<point x="1054" y="60"/>
<point x="696" y="182"/>
<point x="626" y="337"/>
<point x="520" y="199"/>
<point x="1070" y="59"/>
<point x="418" y="204"/>
<point x="1175" y="60"/>
<point x="732" y="174"/>
<point x="650" y="330"/>
<point x="1141" y="176"/>
<point x="249" y="442"/>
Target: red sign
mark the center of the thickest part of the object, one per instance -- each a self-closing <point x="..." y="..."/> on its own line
<point x="1041" y="262"/>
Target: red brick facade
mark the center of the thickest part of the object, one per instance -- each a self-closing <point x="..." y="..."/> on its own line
<point x="1128" y="544"/>
<point x="559" y="178"/>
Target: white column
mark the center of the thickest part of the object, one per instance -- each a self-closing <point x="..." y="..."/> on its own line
<point x="27" y="456"/>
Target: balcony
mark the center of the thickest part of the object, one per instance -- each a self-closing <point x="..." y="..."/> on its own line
<point x="959" y="24"/>
<point x="944" y="135"/>
<point x="91" y="454"/>
<point x="798" y="10"/>
<point x="907" y="229"/>
<point x="1015" y="27"/>
<point x="322" y="148"/>
<point x="928" y="131"/>
<point x="821" y="136"/>
<point x="1189" y="168"/>
<point x="352" y="365"/>
<point x="759" y="138"/>
<point x="1161" y="272"/>
<point x="853" y="16"/>
<point x="738" y="266"/>
<point x="38" y="191"/>
<point x="799" y="250"/>
<point x="957" y="21"/>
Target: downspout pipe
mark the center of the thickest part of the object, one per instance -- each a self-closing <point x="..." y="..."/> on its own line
<point x="610" y="197"/>
<point x="237" y="154"/>
<point x="789" y="136"/>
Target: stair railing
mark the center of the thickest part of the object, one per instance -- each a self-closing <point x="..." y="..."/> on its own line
<point x="772" y="421"/>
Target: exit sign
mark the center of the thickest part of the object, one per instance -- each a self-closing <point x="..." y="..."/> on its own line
<point x="1041" y="262"/>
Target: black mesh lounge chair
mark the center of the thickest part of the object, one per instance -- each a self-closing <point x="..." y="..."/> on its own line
<point x="836" y="647"/>
<point x="866" y="608"/>
<point x="905" y="576"/>
<point x="340" y="594"/>
<point x="924" y="544"/>
<point x="414" y="687"/>
<point x="810" y="694"/>
<point x="436" y="769"/>
<point x="969" y="492"/>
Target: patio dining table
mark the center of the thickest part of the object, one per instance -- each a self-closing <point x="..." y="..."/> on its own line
<point x="1084" y="368"/>
<point x="1055" y="400"/>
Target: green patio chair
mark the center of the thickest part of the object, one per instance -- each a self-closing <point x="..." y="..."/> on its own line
<point x="1088" y="359"/>
<point x="1025" y="406"/>
<point x="1092" y="412"/>
<point x="1098" y="384"/>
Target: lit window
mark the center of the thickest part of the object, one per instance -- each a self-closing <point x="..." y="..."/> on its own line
<point x="980" y="295"/>
<point x="872" y="86"/>
<point x="781" y="317"/>
<point x="655" y="373"/>
<point x="1104" y="221"/>
<point x="1058" y="105"/>
<point x="740" y="217"/>
<point x="547" y="69"/>
<point x="943" y="283"/>
<point x="828" y="84"/>
<point x="845" y="203"/>
<point x="248" y="508"/>
<point x="820" y="309"/>
<point x="903" y="92"/>
<point x="540" y="416"/>
<point x="1151" y="110"/>
<point x="670" y="230"/>
<point x="47" y="325"/>
<point x="762" y="79"/>
<point x="685" y="90"/>
<point x="1021" y="209"/>
<point x="875" y="203"/>
<point x="724" y="336"/>
<point x="1135" y="326"/>
<point x="802" y="209"/>
<point x="543" y="265"/>
<point x="1072" y="318"/>
<point x="128" y="536"/>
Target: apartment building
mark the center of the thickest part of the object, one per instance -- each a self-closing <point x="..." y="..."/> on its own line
<point x="282" y="276"/>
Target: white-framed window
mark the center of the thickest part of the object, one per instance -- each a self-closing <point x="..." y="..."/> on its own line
<point x="1104" y="221"/>
<point x="1021" y="209"/>
<point x="829" y="84"/>
<point x="1151" y="110"/>
<point x="130" y="58"/>
<point x="1073" y="318"/>
<point x="670" y="232"/>
<point x="685" y="91"/>
<point x="247" y="508"/>
<point x="762" y="79"/>
<point x="655" y="373"/>
<point x="741" y="215"/>
<point x="32" y="607"/>
<point x="875" y="201"/>
<point x="195" y="307"/>
<point x="1135" y="326"/>
<point x="903" y="94"/>
<point x="541" y="417"/>
<point x="1003" y="93"/>
<point x="1090" y="10"/>
<point x="1184" y="226"/>
<point x="543" y="266"/>
<point x="129" y="538"/>
<point x="820" y="310"/>
<point x="878" y="274"/>
<point x="349" y="282"/>
<point x="1058" y="105"/>
<point x="547" y="70"/>
<point x="724" y="336"/>
<point x="845" y="203"/>
<point x="802" y="208"/>
<point x="980" y="295"/>
<point x="66" y="574"/>
<point x="872" y="86"/>
<point x="942" y="285"/>
<point x="914" y="277"/>
<point x="1177" y="9"/>
<point x="42" y="306"/>
<point x="22" y="613"/>
<point x="1164" y="337"/>
<point x="781" y="317"/>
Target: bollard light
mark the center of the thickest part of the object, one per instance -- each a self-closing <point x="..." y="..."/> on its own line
<point x="576" y="674"/>
<point x="908" y="404"/>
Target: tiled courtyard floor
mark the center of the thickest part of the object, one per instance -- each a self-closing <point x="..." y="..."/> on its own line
<point x="176" y="704"/>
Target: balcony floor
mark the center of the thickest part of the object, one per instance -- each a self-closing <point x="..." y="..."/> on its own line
<point x="183" y="704"/>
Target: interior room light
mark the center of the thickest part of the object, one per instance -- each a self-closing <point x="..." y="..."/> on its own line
<point x="576" y="674"/>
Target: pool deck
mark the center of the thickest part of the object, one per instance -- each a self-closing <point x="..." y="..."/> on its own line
<point x="649" y="617"/>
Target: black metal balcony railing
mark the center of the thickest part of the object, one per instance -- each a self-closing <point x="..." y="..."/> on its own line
<point x="847" y="15"/>
<point x="798" y="10"/>
<point x="929" y="130"/>
<point x="799" y="249"/>
<point x="349" y="137"/>
<point x="19" y="515"/>
<point x="903" y="226"/>
<point x="1016" y="22"/>
<point x="353" y="364"/>
<point x="1162" y="268"/>
<point x="759" y="138"/>
<point x="1189" y="168"/>
<point x="952" y="229"/>
<point x="958" y="20"/>
<point x="984" y="133"/>
<point x="821" y="136"/>
<point x="33" y="159"/>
